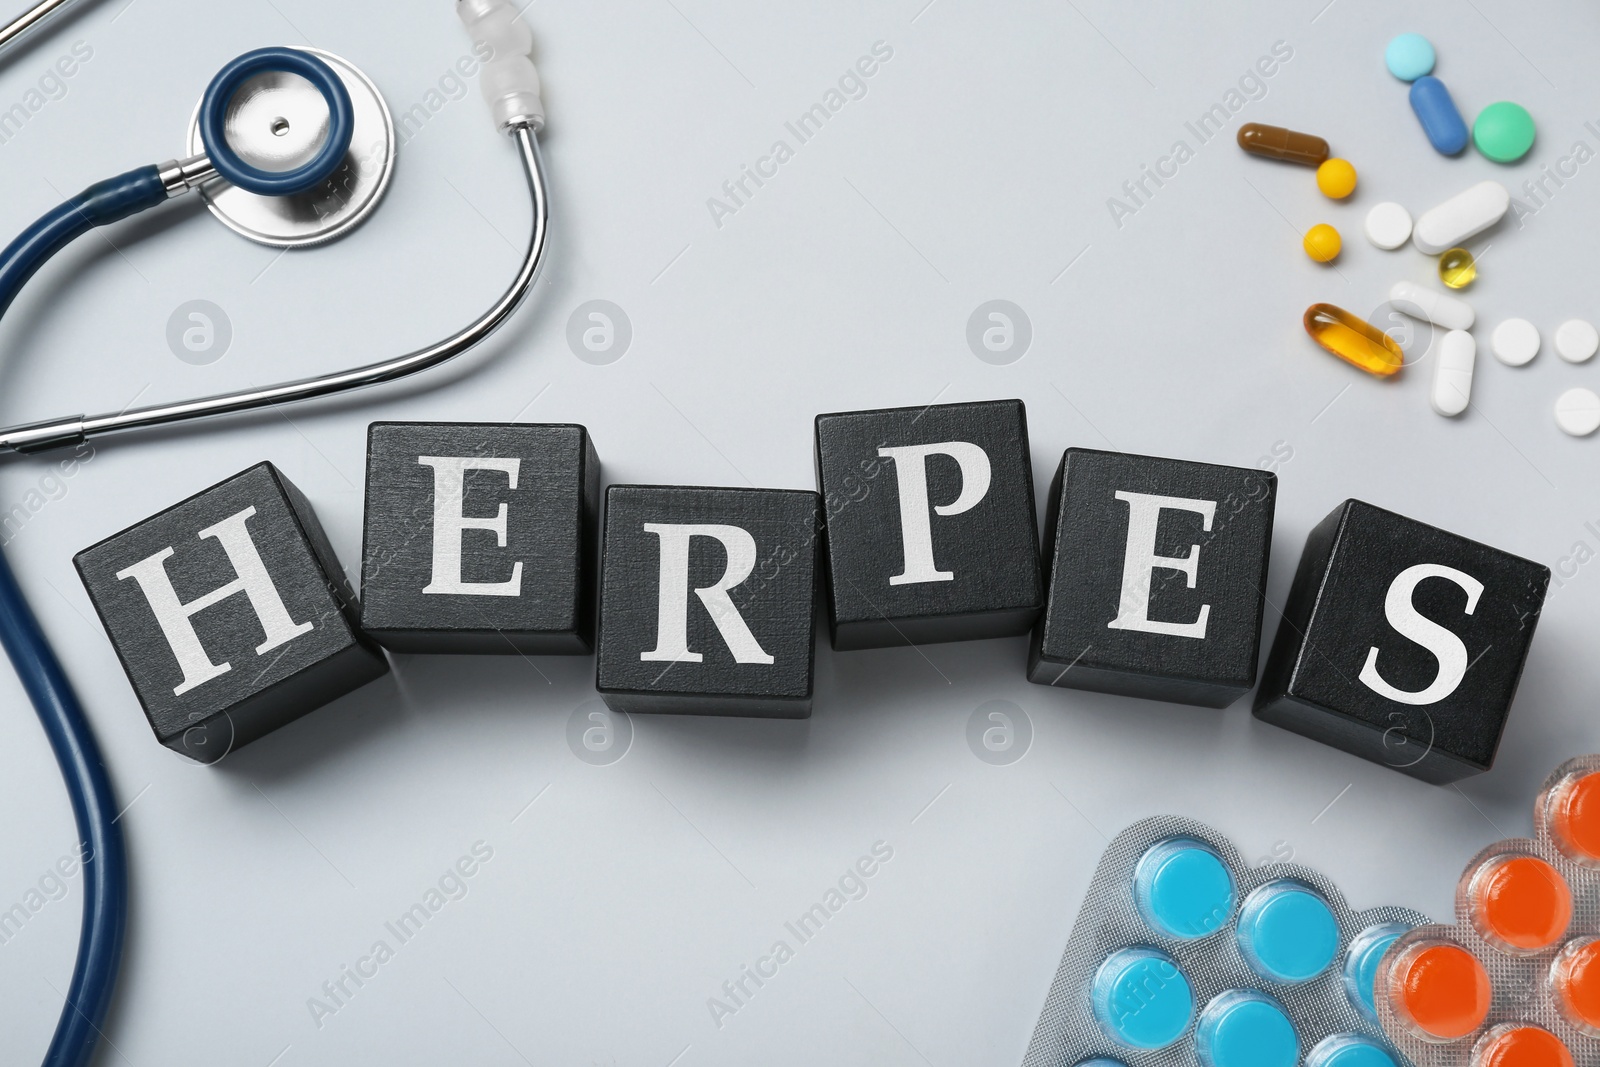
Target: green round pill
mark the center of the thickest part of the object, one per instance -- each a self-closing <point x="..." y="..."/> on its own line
<point x="1503" y="131"/>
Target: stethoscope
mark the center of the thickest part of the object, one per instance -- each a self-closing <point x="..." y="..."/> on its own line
<point x="289" y="147"/>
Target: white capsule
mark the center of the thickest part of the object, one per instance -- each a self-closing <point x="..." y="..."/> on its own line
<point x="1452" y="374"/>
<point x="1458" y="218"/>
<point x="1420" y="302"/>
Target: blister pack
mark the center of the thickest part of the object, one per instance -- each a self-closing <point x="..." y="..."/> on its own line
<point x="1182" y="953"/>
<point x="1516" y="980"/>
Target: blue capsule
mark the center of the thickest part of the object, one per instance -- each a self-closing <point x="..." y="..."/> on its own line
<point x="1446" y="130"/>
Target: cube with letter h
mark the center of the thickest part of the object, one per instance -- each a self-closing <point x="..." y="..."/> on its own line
<point x="932" y="534"/>
<point x="480" y="538"/>
<point x="1158" y="572"/>
<point x="230" y="614"/>
<point x="1402" y="643"/>
<point x="708" y="600"/>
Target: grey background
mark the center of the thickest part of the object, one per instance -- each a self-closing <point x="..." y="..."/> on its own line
<point x="620" y="897"/>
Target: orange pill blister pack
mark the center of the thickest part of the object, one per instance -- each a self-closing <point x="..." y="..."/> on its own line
<point x="1516" y="981"/>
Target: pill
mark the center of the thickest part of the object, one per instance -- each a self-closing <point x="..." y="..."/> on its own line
<point x="1287" y="932"/>
<point x="1457" y="268"/>
<point x="1575" y="984"/>
<point x="1503" y="131"/>
<point x="1468" y="212"/>
<point x="1354" y="340"/>
<point x="1183" y="889"/>
<point x="1141" y="998"/>
<point x="1361" y="965"/>
<point x="1515" y="342"/>
<point x="1349" y="1050"/>
<point x="1388" y="225"/>
<point x="1518" y="903"/>
<point x="1578" y="412"/>
<point x="1322" y="243"/>
<point x="1441" y="121"/>
<point x="1277" y="142"/>
<point x="1452" y="373"/>
<point x="1100" y="1061"/>
<point x="1520" y="1045"/>
<point x="1572" y="812"/>
<point x="1244" y="1028"/>
<point x="1420" y="302"/>
<point x="1409" y="56"/>
<point x="1336" y="178"/>
<point x="1438" y="990"/>
<point x="1576" y="340"/>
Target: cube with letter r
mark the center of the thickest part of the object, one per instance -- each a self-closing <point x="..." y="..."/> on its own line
<point x="1157" y="577"/>
<point x="708" y="600"/>
<point x="1402" y="643"/>
<point x="480" y="538"/>
<point x="932" y="533"/>
<point x="230" y="614"/>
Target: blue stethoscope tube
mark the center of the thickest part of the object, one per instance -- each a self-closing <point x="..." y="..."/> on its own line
<point x="105" y="864"/>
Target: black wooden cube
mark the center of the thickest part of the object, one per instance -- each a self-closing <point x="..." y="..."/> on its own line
<point x="480" y="538"/>
<point x="1158" y="571"/>
<point x="708" y="600"/>
<point x="932" y="533"/>
<point x="1402" y="643"/>
<point x="230" y="613"/>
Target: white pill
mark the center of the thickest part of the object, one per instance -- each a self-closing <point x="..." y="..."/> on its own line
<point x="1420" y="302"/>
<point x="1576" y="341"/>
<point x="1515" y="342"/>
<point x="1578" y="412"/>
<point x="1460" y="217"/>
<point x="1452" y="374"/>
<point x="1388" y="225"/>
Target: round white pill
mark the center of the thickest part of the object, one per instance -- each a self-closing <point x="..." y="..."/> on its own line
<point x="1576" y="340"/>
<point x="1388" y="225"/>
<point x="1515" y="342"/>
<point x="1578" y="412"/>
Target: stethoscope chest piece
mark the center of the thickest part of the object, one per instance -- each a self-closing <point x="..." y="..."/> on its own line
<point x="263" y="124"/>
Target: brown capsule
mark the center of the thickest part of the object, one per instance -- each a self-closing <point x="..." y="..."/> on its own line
<point x="1276" y="142"/>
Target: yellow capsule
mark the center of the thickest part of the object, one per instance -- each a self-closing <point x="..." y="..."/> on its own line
<point x="1322" y="243"/>
<point x="1354" y="340"/>
<point x="1457" y="268"/>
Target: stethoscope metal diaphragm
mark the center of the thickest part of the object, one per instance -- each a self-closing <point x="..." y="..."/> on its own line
<point x="271" y="120"/>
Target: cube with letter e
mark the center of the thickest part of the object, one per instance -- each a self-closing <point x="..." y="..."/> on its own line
<point x="1402" y="643"/>
<point x="1158" y="572"/>
<point x="480" y="538"/>
<point x="932" y="533"/>
<point x="708" y="600"/>
<point x="230" y="614"/>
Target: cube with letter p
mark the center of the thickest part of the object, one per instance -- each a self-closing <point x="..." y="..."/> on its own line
<point x="230" y="614"/>
<point x="1158" y="572"/>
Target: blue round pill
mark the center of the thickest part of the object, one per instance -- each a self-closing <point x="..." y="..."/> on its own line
<point x="1183" y="889"/>
<point x="1141" y="998"/>
<point x="1243" y="1028"/>
<point x="1287" y="933"/>
<point x="1349" y="1050"/>
<point x="1409" y="56"/>
<point x="1361" y="964"/>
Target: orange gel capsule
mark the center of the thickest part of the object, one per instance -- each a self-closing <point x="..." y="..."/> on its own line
<point x="1519" y="904"/>
<point x="1575" y="983"/>
<point x="1439" y="991"/>
<point x="1276" y="142"/>
<point x="1354" y="340"/>
<point x="1520" y="1045"/>
<point x="1574" y="817"/>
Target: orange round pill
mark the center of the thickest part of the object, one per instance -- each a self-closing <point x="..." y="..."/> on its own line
<point x="1575" y="982"/>
<point x="1519" y="903"/>
<point x="1439" y="990"/>
<point x="1574" y="816"/>
<point x="1520" y="1045"/>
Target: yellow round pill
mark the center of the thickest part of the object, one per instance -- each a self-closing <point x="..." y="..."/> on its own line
<point x="1322" y="243"/>
<point x="1336" y="178"/>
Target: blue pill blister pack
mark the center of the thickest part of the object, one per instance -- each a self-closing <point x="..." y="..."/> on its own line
<point x="1181" y="955"/>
